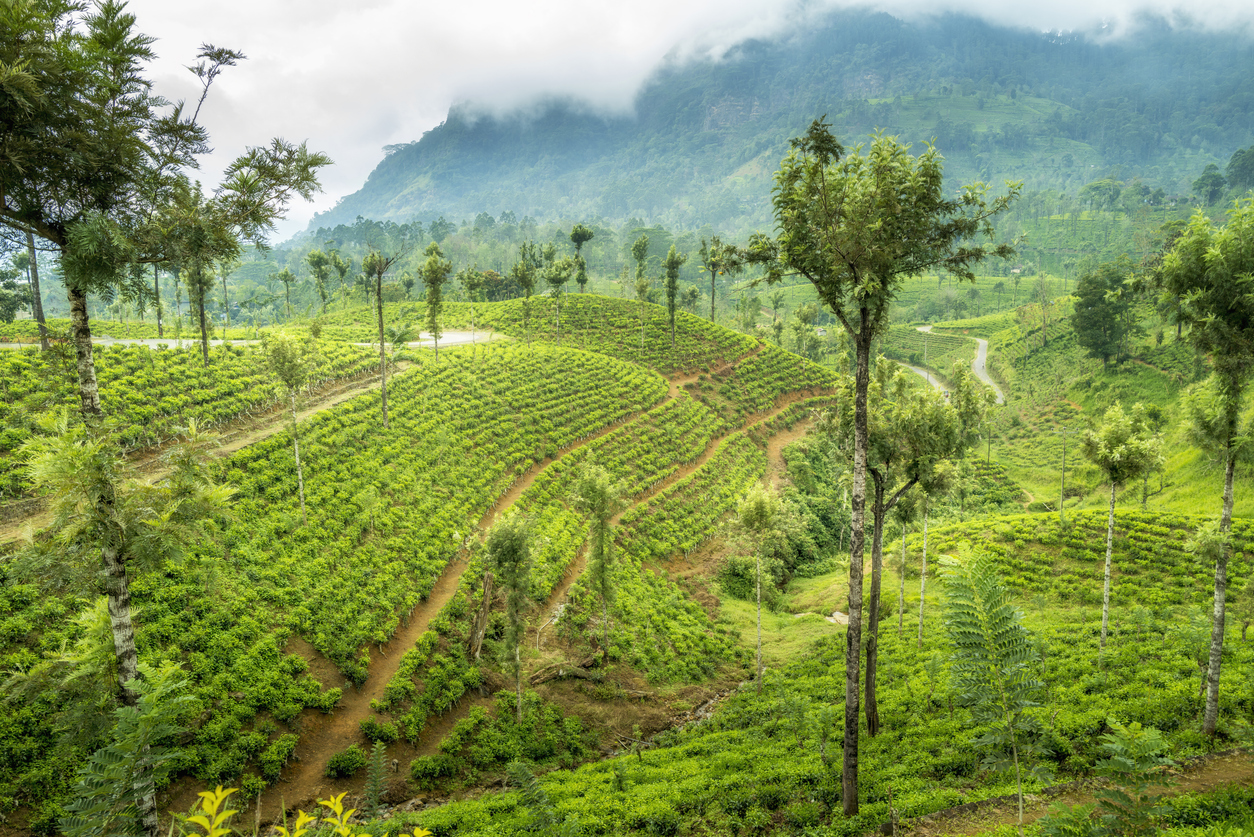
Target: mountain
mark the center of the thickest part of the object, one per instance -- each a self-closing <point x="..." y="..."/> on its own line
<point x="1056" y="110"/>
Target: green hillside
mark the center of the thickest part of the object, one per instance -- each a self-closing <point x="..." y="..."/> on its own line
<point x="1058" y="111"/>
<point x="303" y="644"/>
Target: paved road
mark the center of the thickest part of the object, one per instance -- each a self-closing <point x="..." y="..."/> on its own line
<point x="923" y="373"/>
<point x="151" y="343"/>
<point x="449" y="338"/>
<point x="978" y="364"/>
<point x="978" y="367"/>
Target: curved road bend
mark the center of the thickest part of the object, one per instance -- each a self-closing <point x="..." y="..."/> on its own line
<point x="979" y="365"/>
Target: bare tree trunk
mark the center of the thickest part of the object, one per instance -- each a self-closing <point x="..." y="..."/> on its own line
<point x="923" y="574"/>
<point x="481" y="619"/>
<point x="300" y="474"/>
<point x="37" y="301"/>
<point x="518" y="679"/>
<point x="196" y="290"/>
<point x="757" y="561"/>
<point x="857" y="544"/>
<point x="873" y="619"/>
<point x="226" y="308"/>
<point x="120" y="623"/>
<point x="88" y="389"/>
<point x="1110" y="540"/>
<point x="1210" y="718"/>
<point x="383" y="361"/>
<point x="901" y="590"/>
<point x="156" y="292"/>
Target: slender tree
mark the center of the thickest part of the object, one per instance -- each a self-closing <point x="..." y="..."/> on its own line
<point x="1123" y="448"/>
<point x="288" y="364"/>
<point x="524" y="273"/>
<point x="105" y="520"/>
<point x="374" y="265"/>
<point x="857" y="226"/>
<point x="718" y="260"/>
<point x="640" y="252"/>
<point x="287" y="277"/>
<point x="674" y="261"/>
<point x="37" y="302"/>
<point x="600" y="500"/>
<point x="509" y="555"/>
<point x="556" y="273"/>
<point x="435" y="272"/>
<point x="320" y="265"/>
<point x="579" y="236"/>
<point x="758" y="511"/>
<point x="911" y="431"/>
<point x="1211" y="271"/>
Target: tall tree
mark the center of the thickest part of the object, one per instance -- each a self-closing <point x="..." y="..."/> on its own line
<point x="509" y="555"/>
<point x="579" y="236"/>
<point x="288" y="364"/>
<point x="1123" y="448"/>
<point x="374" y="265"/>
<point x="600" y="500"/>
<point x="556" y="273"/>
<point x="104" y="519"/>
<point x="857" y="226"/>
<point x="674" y="261"/>
<point x="524" y="273"/>
<point x="718" y="260"/>
<point x="1211" y="270"/>
<point x="910" y="432"/>
<point x="253" y="195"/>
<point x="287" y="277"/>
<point x="1102" y="306"/>
<point x="37" y="302"/>
<point x="435" y="272"/>
<point x="320" y="266"/>
<point x="640" y="253"/>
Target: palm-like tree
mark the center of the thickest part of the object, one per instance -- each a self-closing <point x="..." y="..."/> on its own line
<point x="103" y="517"/>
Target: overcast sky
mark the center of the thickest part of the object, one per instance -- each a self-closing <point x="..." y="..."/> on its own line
<point x="351" y="78"/>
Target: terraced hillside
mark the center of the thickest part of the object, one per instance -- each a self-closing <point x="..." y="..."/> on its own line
<point x="301" y="640"/>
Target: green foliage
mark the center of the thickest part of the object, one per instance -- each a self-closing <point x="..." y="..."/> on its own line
<point x="346" y="763"/>
<point x="374" y="779"/>
<point x="1103" y="316"/>
<point x="1134" y="763"/>
<point x="109" y="796"/>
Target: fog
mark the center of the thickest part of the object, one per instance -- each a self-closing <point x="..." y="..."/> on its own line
<point x="350" y="80"/>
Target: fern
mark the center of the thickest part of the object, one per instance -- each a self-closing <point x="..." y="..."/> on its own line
<point x="995" y="666"/>
<point x="120" y="777"/>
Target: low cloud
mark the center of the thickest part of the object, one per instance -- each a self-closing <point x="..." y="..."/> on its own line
<point x="352" y="79"/>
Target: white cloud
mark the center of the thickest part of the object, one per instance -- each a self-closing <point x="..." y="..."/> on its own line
<point x="350" y="79"/>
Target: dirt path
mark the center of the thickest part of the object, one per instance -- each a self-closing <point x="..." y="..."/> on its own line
<point x="1207" y="774"/>
<point x="322" y="735"/>
<point x="22" y="516"/>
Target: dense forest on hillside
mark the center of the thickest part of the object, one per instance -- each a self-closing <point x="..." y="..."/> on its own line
<point x="1056" y="110"/>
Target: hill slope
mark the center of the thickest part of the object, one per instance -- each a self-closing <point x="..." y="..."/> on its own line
<point x="1057" y="111"/>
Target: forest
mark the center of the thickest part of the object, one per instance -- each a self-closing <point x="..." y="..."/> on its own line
<point x="606" y="522"/>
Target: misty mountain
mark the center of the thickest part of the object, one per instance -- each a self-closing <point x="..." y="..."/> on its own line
<point x="1056" y="110"/>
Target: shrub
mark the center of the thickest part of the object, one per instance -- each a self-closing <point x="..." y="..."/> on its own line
<point x="276" y="756"/>
<point x="803" y="814"/>
<point x="375" y="730"/>
<point x="346" y="763"/>
<point x="425" y="770"/>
